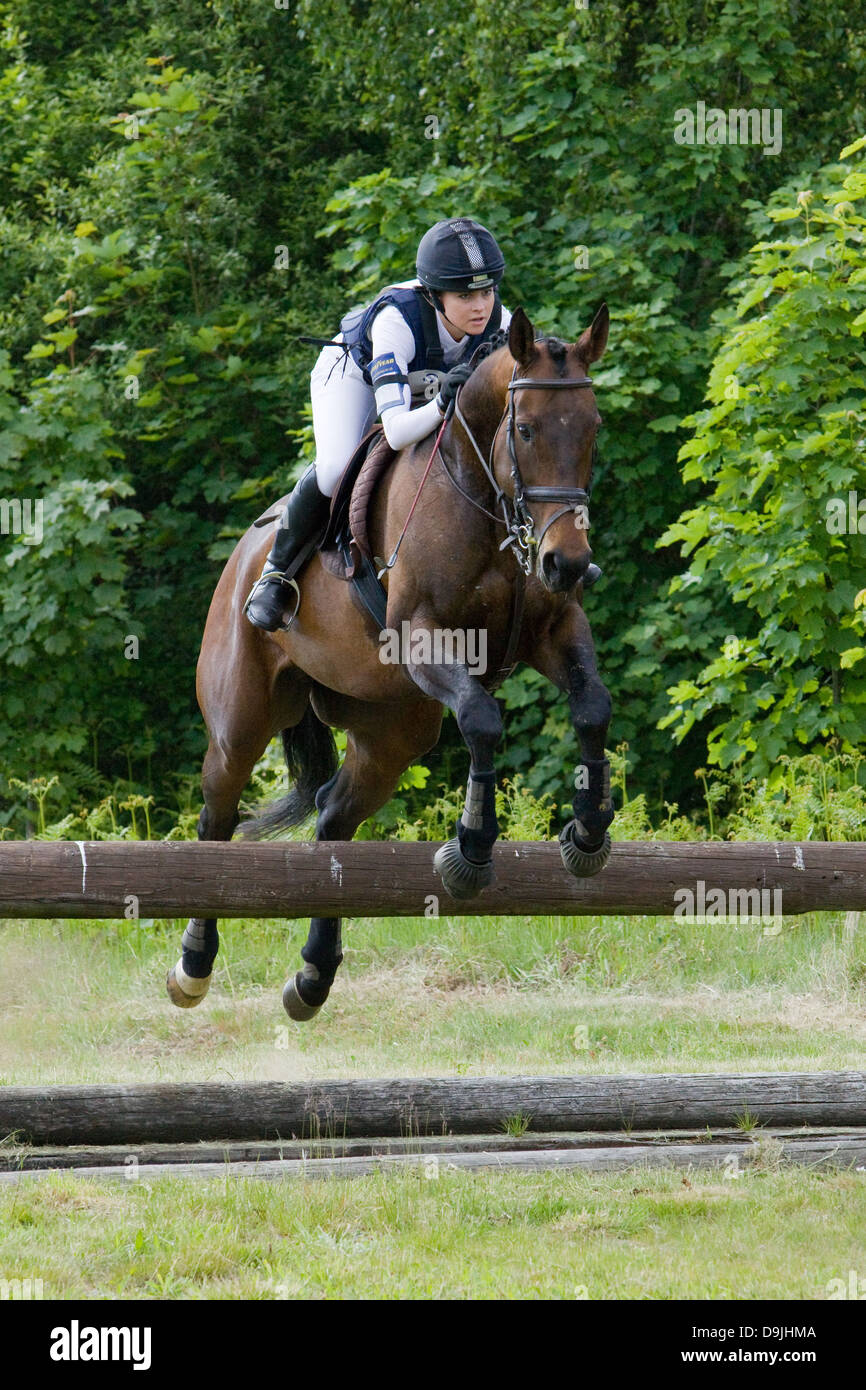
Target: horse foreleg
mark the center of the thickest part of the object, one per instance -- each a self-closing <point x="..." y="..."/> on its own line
<point x="567" y="657"/>
<point x="465" y="863"/>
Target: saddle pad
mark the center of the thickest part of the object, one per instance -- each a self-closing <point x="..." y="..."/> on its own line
<point x="375" y="465"/>
<point x="339" y="518"/>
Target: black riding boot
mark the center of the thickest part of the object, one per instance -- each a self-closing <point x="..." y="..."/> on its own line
<point x="305" y="514"/>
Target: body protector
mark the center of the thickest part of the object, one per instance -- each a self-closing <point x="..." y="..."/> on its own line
<point x="427" y="368"/>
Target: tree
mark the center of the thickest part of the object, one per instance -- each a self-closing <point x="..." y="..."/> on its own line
<point x="783" y="527"/>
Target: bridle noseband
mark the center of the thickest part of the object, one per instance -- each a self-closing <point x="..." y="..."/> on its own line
<point x="516" y="514"/>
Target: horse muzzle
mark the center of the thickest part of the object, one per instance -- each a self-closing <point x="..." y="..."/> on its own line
<point x="559" y="572"/>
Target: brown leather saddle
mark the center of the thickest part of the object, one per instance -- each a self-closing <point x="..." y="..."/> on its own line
<point x="344" y="543"/>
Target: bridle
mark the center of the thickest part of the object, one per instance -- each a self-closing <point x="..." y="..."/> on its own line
<point x="516" y="516"/>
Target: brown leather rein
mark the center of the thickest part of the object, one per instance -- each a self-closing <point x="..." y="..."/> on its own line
<point x="516" y="516"/>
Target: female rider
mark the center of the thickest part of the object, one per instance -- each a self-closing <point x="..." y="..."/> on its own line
<point x="392" y="355"/>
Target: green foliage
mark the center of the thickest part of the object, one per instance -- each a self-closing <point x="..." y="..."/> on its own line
<point x="183" y="192"/>
<point x="148" y="381"/>
<point x="818" y="796"/>
<point x="568" y="146"/>
<point x="781" y="449"/>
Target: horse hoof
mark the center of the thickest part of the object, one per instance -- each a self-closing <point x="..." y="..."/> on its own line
<point x="186" y="992"/>
<point x="583" y="863"/>
<point x="294" y="1005"/>
<point x="460" y="876"/>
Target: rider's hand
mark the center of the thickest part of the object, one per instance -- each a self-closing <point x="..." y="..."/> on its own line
<point x="448" y="389"/>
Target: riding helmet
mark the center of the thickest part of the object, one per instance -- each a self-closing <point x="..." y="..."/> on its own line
<point x="459" y="255"/>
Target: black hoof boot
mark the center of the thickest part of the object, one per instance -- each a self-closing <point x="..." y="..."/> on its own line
<point x="460" y="876"/>
<point x="582" y="860"/>
<point x="305" y="993"/>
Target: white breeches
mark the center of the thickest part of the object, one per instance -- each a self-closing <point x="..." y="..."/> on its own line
<point x="344" y="409"/>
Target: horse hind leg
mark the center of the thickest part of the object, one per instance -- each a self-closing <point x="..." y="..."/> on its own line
<point x="189" y="979"/>
<point x="367" y="778"/>
<point x="223" y="780"/>
<point x="322" y="953"/>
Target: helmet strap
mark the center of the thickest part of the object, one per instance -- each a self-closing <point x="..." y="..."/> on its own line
<point x="434" y="297"/>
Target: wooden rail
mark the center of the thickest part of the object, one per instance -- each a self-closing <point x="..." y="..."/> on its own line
<point x="179" y="1113"/>
<point x="375" y="879"/>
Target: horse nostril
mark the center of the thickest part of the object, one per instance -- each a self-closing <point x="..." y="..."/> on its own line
<point x="550" y="567"/>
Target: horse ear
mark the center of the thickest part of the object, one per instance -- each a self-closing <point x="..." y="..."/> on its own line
<point x="521" y="337"/>
<point x="593" y="340"/>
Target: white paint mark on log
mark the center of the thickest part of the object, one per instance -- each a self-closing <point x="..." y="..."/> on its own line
<point x="336" y="871"/>
<point x="798" y="859"/>
<point x="83" y="866"/>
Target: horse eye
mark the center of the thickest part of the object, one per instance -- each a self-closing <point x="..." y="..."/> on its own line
<point x="524" y="431"/>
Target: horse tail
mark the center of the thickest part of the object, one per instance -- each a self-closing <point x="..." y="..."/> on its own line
<point x="311" y="759"/>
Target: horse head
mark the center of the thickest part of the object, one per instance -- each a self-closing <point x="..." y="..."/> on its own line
<point x="543" y="446"/>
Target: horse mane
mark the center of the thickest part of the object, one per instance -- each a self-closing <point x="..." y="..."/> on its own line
<point x="557" y="349"/>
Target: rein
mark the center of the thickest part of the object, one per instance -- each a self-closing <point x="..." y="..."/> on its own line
<point x="516" y="516"/>
<point x="389" y="564"/>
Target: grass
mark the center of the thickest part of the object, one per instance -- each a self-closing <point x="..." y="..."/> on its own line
<point x="85" y="1002"/>
<point x="647" y="1235"/>
<point x="516" y="1125"/>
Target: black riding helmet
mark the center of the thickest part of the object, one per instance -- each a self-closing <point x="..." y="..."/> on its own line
<point x="458" y="255"/>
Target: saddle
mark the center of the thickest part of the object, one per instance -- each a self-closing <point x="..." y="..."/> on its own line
<point x="344" y="543"/>
<point x="345" y="546"/>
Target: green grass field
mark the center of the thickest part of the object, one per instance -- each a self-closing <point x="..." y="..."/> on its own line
<point x="652" y="1235"/>
<point x="84" y="1002"/>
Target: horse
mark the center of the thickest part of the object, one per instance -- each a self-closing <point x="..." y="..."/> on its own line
<point x="498" y="545"/>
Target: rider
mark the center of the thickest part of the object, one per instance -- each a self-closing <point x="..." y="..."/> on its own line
<point x="413" y="337"/>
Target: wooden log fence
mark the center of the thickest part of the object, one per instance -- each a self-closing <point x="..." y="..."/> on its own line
<point x="291" y="879"/>
<point x="177" y="1113"/>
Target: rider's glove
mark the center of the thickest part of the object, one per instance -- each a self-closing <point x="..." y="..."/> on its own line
<point x="448" y="389"/>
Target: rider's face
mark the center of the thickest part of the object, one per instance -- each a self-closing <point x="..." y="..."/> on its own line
<point x="469" y="312"/>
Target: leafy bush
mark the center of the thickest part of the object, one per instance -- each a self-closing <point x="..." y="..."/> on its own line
<point x="782" y="449"/>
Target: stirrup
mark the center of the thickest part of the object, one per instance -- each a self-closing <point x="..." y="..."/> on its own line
<point x="275" y="576"/>
<point x="291" y="584"/>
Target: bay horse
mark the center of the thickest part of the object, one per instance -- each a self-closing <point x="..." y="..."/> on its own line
<point x="498" y="545"/>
